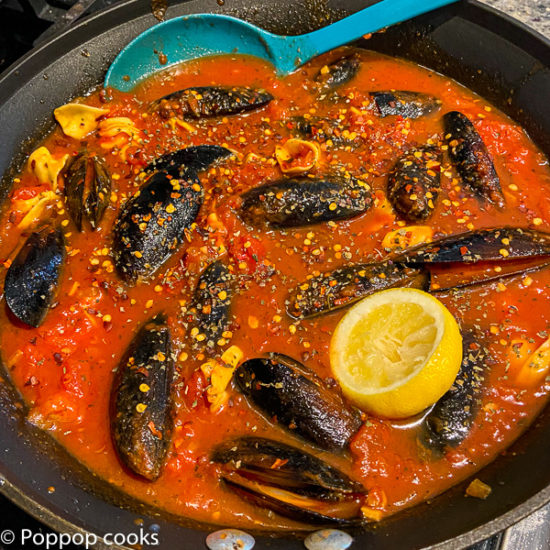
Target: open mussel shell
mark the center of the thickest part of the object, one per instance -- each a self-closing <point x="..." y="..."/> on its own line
<point x="87" y="189"/>
<point x="305" y="201"/>
<point x="289" y="481"/>
<point x="141" y="400"/>
<point x="299" y="400"/>
<point x="344" y="286"/>
<point x="501" y="244"/>
<point x="33" y="277"/>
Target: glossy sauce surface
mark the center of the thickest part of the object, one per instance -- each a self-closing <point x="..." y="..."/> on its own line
<point x="64" y="368"/>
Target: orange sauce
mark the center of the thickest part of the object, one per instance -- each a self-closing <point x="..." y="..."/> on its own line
<point x="64" y="368"/>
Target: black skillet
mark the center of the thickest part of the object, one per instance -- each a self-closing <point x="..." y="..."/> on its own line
<point x="486" y="51"/>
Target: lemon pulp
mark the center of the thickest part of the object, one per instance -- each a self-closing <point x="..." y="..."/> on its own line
<point x="396" y="352"/>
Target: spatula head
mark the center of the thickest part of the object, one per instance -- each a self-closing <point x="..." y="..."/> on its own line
<point x="185" y="38"/>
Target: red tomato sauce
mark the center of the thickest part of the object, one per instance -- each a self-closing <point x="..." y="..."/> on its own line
<point x="64" y="369"/>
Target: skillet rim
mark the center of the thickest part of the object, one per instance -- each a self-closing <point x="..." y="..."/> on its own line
<point x="39" y="56"/>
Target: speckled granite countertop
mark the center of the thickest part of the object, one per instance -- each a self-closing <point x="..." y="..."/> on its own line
<point x="535" y="13"/>
<point x="533" y="533"/>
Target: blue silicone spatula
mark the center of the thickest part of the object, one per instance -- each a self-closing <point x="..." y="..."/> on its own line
<point x="192" y="36"/>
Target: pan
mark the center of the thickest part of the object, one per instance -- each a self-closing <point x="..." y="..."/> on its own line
<point x="483" y="49"/>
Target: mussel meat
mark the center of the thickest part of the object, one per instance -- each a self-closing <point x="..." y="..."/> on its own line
<point x="289" y="481"/>
<point x="87" y="189"/>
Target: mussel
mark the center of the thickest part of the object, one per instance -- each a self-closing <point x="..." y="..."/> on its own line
<point x="210" y="101"/>
<point x="414" y="183"/>
<point x="191" y="159"/>
<point x="338" y="72"/>
<point x="285" y="389"/>
<point x="289" y="481"/>
<point x="322" y="129"/>
<point x="33" y="276"/>
<point x="404" y="103"/>
<point x="151" y="225"/>
<point x="471" y="158"/>
<point x="87" y="189"/>
<point x="411" y="268"/>
<point x="141" y="401"/>
<point x="450" y="420"/>
<point x="500" y="244"/>
<point x="212" y="303"/>
<point x="305" y="201"/>
<point x="344" y="286"/>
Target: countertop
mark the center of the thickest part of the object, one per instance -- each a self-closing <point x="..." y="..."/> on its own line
<point x="533" y="533"/>
<point x="535" y="13"/>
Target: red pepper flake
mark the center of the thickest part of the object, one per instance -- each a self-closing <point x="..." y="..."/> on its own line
<point x="279" y="463"/>
<point x="154" y="430"/>
<point x="32" y="381"/>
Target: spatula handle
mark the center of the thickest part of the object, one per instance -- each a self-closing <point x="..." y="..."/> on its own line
<point x="371" y="19"/>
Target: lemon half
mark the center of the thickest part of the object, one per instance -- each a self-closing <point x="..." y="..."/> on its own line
<point x="396" y="352"/>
